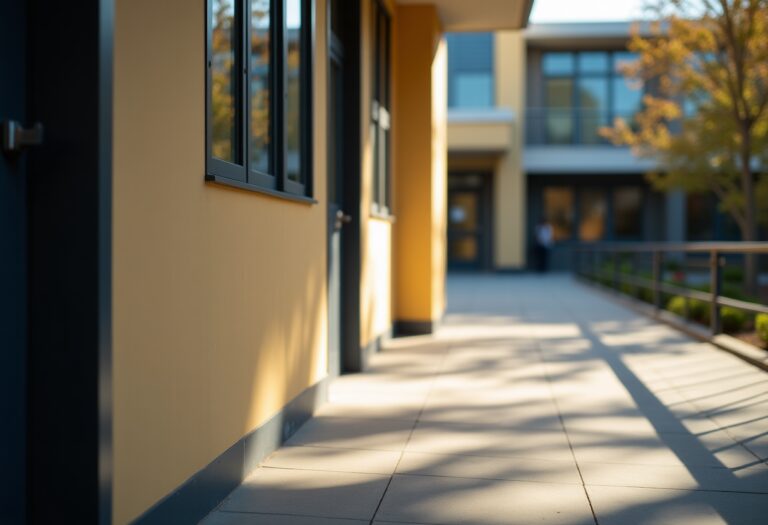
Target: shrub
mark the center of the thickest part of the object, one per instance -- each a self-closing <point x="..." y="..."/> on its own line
<point x="761" y="324"/>
<point x="733" y="319"/>
<point x="645" y="295"/>
<point x="698" y="310"/>
<point x="733" y="274"/>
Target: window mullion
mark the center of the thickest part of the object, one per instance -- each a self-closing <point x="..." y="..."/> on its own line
<point x="245" y="92"/>
<point x="280" y="52"/>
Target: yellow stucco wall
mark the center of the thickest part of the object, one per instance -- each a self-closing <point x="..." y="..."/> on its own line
<point x="497" y="147"/>
<point x="510" y="193"/>
<point x="479" y="136"/>
<point x="219" y="294"/>
<point x="419" y="164"/>
<point x="439" y="175"/>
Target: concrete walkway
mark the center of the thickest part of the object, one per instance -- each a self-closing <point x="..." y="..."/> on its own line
<point x="539" y="401"/>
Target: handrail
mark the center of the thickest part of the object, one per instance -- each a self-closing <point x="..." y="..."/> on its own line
<point x="694" y="247"/>
<point x="617" y="278"/>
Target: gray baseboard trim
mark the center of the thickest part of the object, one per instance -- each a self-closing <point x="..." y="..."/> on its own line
<point x="373" y="347"/>
<point x="202" y="493"/>
<point x="411" y="328"/>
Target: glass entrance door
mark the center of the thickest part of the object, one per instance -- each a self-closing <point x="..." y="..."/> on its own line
<point x="468" y="222"/>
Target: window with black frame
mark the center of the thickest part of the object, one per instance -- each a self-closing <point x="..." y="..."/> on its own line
<point x="258" y="95"/>
<point x="585" y="91"/>
<point x="380" y="115"/>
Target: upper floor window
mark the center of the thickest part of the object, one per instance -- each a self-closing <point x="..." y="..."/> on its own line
<point x="470" y="70"/>
<point x="258" y="94"/>
<point x="584" y="91"/>
<point x="380" y="115"/>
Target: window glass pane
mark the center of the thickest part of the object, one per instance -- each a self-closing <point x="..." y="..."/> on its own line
<point x="554" y="64"/>
<point x="627" y="97"/>
<point x="593" y="62"/>
<point x="560" y="93"/>
<point x="293" y="17"/>
<point x="700" y="217"/>
<point x="559" y="111"/>
<point x="260" y="84"/>
<point x="463" y="249"/>
<point x="627" y="211"/>
<point x="593" y="102"/>
<point x="592" y="206"/>
<point x="224" y="81"/>
<point x="473" y="90"/>
<point x="470" y="70"/>
<point x="383" y="61"/>
<point x="558" y="210"/>
<point x="463" y="210"/>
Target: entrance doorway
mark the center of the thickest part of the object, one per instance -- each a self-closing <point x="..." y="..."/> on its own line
<point x="469" y="221"/>
<point x="55" y="262"/>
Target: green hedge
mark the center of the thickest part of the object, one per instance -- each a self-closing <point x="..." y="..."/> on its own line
<point x="761" y="324"/>
<point x="732" y="319"/>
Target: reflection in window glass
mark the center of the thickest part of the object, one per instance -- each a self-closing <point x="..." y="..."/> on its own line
<point x="627" y="96"/>
<point x="463" y="210"/>
<point x="555" y="64"/>
<point x="463" y="249"/>
<point x="592" y="204"/>
<point x="293" y="16"/>
<point x="260" y="84"/>
<point x="700" y="223"/>
<point x="558" y="210"/>
<point x="593" y="62"/>
<point x="593" y="102"/>
<point x="470" y="70"/>
<point x="627" y="214"/>
<point x="560" y="115"/>
<point x="224" y="80"/>
<point x="473" y="90"/>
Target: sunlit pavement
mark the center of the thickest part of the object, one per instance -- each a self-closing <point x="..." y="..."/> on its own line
<point x="538" y="401"/>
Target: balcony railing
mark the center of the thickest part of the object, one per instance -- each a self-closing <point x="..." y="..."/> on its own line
<point x="569" y="126"/>
<point x="706" y="278"/>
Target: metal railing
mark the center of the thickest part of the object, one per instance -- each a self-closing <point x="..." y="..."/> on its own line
<point x="569" y="126"/>
<point x="617" y="265"/>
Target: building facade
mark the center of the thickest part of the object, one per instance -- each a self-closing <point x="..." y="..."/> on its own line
<point x="525" y="109"/>
<point x="232" y="201"/>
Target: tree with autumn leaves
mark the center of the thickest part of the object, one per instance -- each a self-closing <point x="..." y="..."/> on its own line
<point x="705" y="118"/>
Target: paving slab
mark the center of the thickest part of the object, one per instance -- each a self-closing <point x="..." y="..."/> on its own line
<point x="537" y="401"/>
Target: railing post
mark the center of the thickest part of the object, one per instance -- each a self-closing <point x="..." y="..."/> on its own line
<point x="716" y="288"/>
<point x="657" y="280"/>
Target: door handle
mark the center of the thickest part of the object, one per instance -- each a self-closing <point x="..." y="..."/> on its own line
<point x="15" y="137"/>
<point x="342" y="219"/>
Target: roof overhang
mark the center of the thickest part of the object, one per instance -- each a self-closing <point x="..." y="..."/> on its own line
<point x="584" y="34"/>
<point x="479" y="15"/>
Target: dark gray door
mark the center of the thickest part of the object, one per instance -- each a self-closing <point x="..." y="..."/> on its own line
<point x="469" y="221"/>
<point x="13" y="280"/>
<point x="336" y="215"/>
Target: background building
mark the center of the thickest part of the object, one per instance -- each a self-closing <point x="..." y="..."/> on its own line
<point x="525" y="108"/>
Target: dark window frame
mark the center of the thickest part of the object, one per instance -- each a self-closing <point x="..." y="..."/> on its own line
<point x="381" y="117"/>
<point x="239" y="173"/>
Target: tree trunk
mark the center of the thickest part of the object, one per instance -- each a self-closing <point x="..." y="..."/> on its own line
<point x="749" y="230"/>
